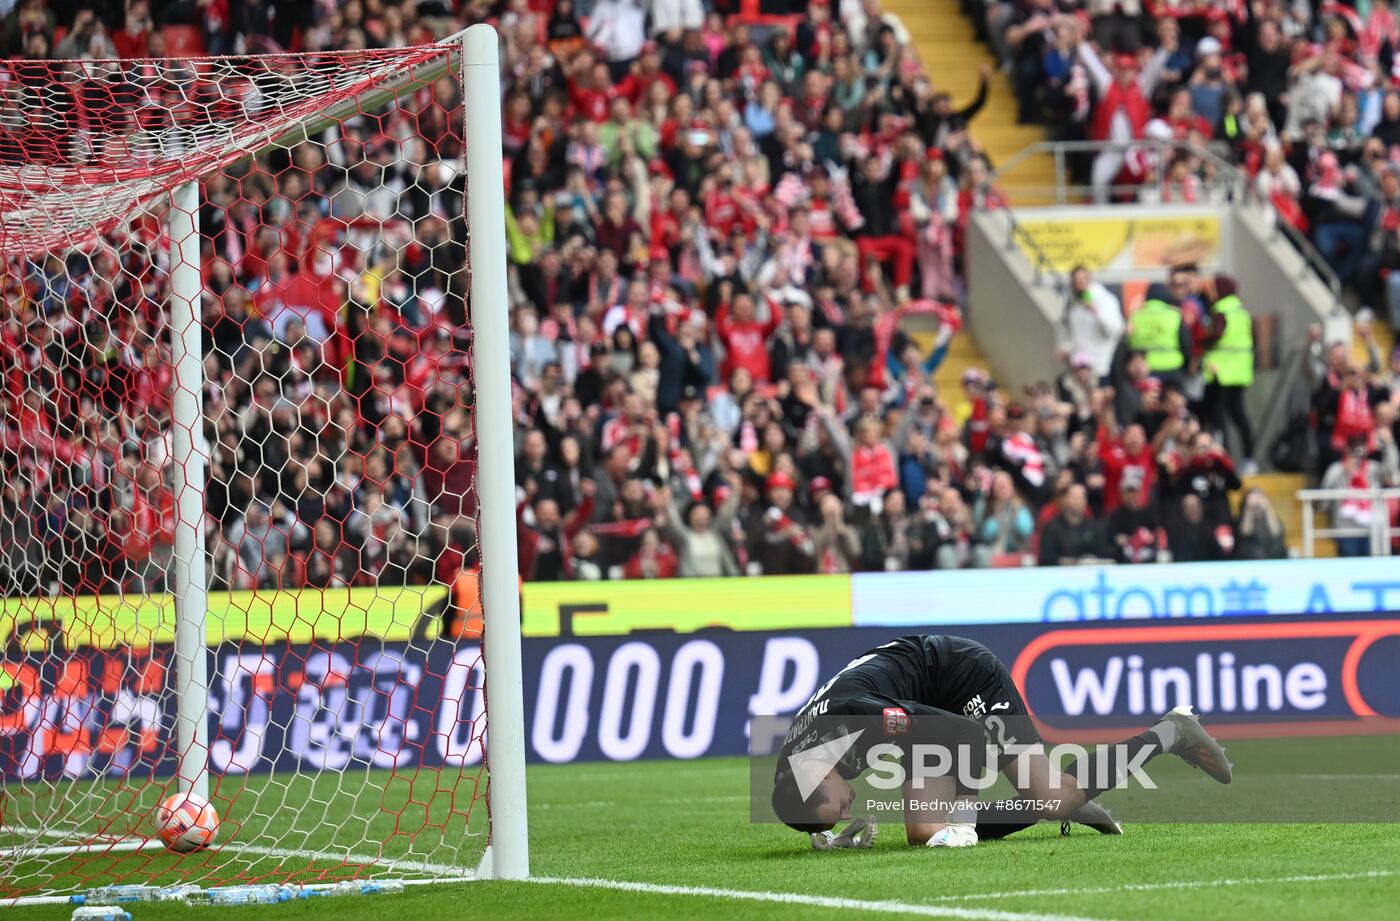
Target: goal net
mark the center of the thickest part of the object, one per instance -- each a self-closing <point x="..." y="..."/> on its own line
<point x="254" y="445"/>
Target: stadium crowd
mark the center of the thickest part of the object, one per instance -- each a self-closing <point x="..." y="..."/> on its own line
<point x="718" y="231"/>
<point x="1302" y="97"/>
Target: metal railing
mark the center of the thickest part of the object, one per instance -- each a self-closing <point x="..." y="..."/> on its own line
<point x="1379" y="532"/>
<point x="1290" y="387"/>
<point x="1229" y="180"/>
<point x="1040" y="263"/>
<point x="1311" y="257"/>
<point x="1229" y="183"/>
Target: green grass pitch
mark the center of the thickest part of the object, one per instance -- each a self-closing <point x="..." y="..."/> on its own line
<point x="682" y="826"/>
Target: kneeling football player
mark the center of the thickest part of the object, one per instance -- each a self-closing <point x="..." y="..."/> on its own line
<point x="960" y="689"/>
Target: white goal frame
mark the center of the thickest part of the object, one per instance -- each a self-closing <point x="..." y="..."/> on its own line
<point x="507" y="850"/>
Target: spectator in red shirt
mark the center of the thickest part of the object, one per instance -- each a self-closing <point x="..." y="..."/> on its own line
<point x="645" y="73"/>
<point x="1126" y="455"/>
<point x="830" y="208"/>
<point x="630" y="428"/>
<point x="1182" y="118"/>
<point x="134" y="38"/>
<point x="151" y="540"/>
<point x="745" y="338"/>
<point x="873" y="471"/>
<point x="615" y="231"/>
<point x="153" y="384"/>
<point x="729" y="209"/>
<point x="1351" y="405"/>
<point x="654" y="559"/>
<point x="545" y="537"/>
<point x="449" y="477"/>
<point x="591" y="91"/>
<point x="880" y="238"/>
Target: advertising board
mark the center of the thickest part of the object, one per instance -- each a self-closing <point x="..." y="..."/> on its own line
<point x="1146" y="242"/>
<point x="81" y="710"/>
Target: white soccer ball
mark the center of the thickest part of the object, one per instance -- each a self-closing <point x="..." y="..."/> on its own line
<point x="186" y="822"/>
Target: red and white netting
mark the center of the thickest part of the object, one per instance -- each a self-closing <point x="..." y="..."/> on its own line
<point x="339" y="508"/>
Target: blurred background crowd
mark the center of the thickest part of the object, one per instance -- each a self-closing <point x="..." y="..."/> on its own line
<point x="1302" y="95"/>
<point x="735" y="240"/>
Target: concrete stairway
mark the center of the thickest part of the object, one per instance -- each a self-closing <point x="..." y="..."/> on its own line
<point x="1282" y="488"/>
<point x="953" y="57"/>
<point x="962" y="355"/>
<point x="1385" y="341"/>
<point x="949" y="49"/>
<point x="947" y="45"/>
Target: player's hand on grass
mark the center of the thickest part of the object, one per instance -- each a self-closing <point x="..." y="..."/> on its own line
<point x="859" y="834"/>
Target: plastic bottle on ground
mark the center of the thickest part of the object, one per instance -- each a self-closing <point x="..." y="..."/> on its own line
<point x="356" y="887"/>
<point x="117" y="895"/>
<point x="100" y="913"/>
<point x="240" y="895"/>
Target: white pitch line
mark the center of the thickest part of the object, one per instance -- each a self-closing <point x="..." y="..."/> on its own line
<point x="63" y="850"/>
<point x="670" y="801"/>
<point x="1326" y="777"/>
<point x="581" y="804"/>
<point x="811" y="901"/>
<point x="59" y="833"/>
<point x="440" y="869"/>
<point x="320" y="887"/>
<point x="130" y="844"/>
<point x="1182" y="884"/>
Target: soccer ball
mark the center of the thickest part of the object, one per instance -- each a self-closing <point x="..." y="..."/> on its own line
<point x="186" y="822"/>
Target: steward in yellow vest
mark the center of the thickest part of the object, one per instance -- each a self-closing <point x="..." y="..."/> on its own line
<point x="1155" y="329"/>
<point x="1228" y="365"/>
<point x="1229" y="361"/>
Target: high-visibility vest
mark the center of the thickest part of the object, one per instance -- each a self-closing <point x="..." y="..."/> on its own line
<point x="466" y="594"/>
<point x="1230" y="361"/>
<point x="1155" y="329"/>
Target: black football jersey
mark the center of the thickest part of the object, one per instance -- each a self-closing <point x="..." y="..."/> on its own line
<point x="922" y="675"/>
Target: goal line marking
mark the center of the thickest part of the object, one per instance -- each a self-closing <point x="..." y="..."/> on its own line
<point x="668" y="801"/>
<point x="91" y="842"/>
<point x="113" y="844"/>
<point x="1176" y="884"/>
<point x="813" y="901"/>
<point x="442" y="873"/>
<point x="65" y="850"/>
<point x="59" y="833"/>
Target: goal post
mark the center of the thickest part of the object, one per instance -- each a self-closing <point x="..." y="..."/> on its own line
<point x="257" y="500"/>
<point x="481" y="75"/>
<point x="188" y="566"/>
